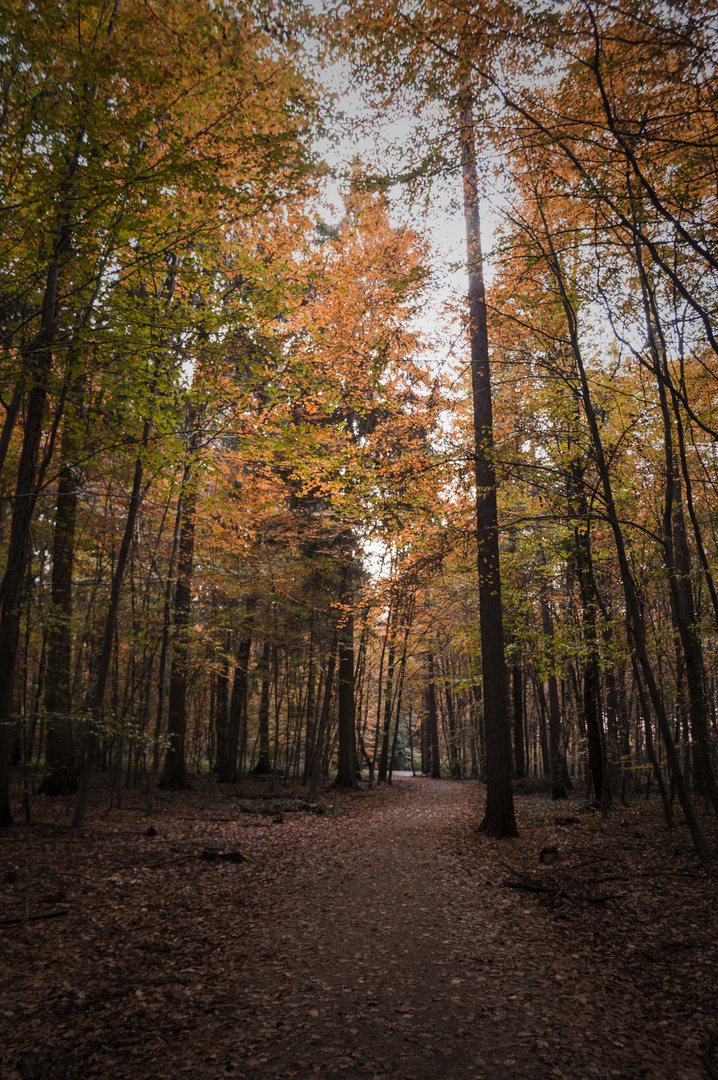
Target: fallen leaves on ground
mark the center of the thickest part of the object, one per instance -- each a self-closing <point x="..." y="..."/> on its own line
<point x="383" y="937"/>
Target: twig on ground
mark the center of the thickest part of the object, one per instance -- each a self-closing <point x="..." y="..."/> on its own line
<point x="558" y="891"/>
<point x="34" y="918"/>
<point x="151" y="866"/>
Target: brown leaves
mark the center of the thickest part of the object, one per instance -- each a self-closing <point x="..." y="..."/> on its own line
<point x="374" y="940"/>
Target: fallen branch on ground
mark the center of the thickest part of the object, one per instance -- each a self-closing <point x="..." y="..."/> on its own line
<point x="559" y="891"/>
<point x="33" y="918"/>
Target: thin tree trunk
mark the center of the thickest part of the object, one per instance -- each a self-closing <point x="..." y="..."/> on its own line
<point x="388" y="696"/>
<point x="634" y="612"/>
<point x="347" y="758"/>
<point x="402" y="672"/>
<point x="174" y="773"/>
<point x="309" y="706"/>
<point x="455" y="763"/>
<point x="432" y="719"/>
<point x="13" y="581"/>
<point x="228" y="765"/>
<point x="92" y="741"/>
<point x="164" y="651"/>
<point x="221" y="711"/>
<point x="61" y="778"/>
<point x="650" y="751"/>
<point x="323" y="726"/>
<point x="517" y="683"/>
<point x="558" y="769"/>
<point x="264" y="763"/>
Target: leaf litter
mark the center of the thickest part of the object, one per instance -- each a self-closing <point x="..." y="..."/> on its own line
<point x="381" y="937"/>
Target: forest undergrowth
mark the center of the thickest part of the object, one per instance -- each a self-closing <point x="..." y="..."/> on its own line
<point x="244" y="932"/>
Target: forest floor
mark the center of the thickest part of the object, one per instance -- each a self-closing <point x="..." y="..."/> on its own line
<point x="377" y="939"/>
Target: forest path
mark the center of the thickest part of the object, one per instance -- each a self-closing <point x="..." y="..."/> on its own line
<point x="377" y="940"/>
<point x="393" y="951"/>
<point x="385" y="960"/>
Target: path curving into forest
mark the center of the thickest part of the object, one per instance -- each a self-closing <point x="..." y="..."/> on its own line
<point x="376" y="941"/>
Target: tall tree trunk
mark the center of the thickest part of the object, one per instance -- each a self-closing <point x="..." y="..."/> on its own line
<point x="703" y="558"/>
<point x="554" y="708"/>
<point x="517" y="683"/>
<point x="311" y="719"/>
<point x="380" y="682"/>
<point x="59" y="753"/>
<point x="11" y="414"/>
<point x="240" y="687"/>
<point x="680" y="579"/>
<point x="642" y="706"/>
<point x="13" y="581"/>
<point x="675" y="543"/>
<point x="221" y="711"/>
<point x="499" y="817"/>
<point x="540" y="696"/>
<point x="228" y="762"/>
<point x="323" y="725"/>
<point x="432" y="719"/>
<point x="388" y="697"/>
<point x="425" y="736"/>
<point x="264" y="761"/>
<point x="174" y="773"/>
<point x="477" y="729"/>
<point x="104" y="659"/>
<point x="347" y="755"/>
<point x="454" y="759"/>
<point x="402" y="672"/>
<point x="164" y="650"/>
<point x="611" y="737"/>
<point x="61" y="778"/>
<point x="591" y="686"/>
<point x="308" y="707"/>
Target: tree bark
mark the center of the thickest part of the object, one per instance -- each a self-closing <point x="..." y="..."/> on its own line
<point x="323" y="725"/>
<point x="347" y="756"/>
<point x="402" y="672"/>
<point x="650" y="750"/>
<point x="13" y="581"/>
<point x="264" y="761"/>
<point x="517" y="683"/>
<point x="228" y="762"/>
<point x="388" y="697"/>
<point x="174" y="774"/>
<point x="499" y="817"/>
<point x="454" y="760"/>
<point x="164" y="650"/>
<point x="591" y="710"/>
<point x="92" y="741"/>
<point x="432" y="720"/>
<point x="61" y="778"/>
<point x="221" y="712"/>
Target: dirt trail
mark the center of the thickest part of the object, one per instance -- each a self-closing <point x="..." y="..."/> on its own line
<point x="397" y="953"/>
<point x="379" y="955"/>
<point x="376" y="941"/>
